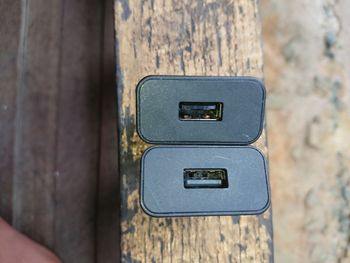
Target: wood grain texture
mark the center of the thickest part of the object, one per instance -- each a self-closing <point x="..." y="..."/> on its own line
<point x="58" y="143"/>
<point x="36" y="120"/>
<point x="57" y="125"/>
<point x="9" y="32"/>
<point x="77" y="133"/>
<point x="184" y="38"/>
<point x="108" y="220"/>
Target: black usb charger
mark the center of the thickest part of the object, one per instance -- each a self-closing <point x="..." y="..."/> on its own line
<point x="210" y="170"/>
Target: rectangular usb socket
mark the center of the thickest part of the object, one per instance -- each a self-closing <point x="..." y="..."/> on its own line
<point x="200" y="111"/>
<point x="205" y="178"/>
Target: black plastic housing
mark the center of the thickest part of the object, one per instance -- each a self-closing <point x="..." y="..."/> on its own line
<point x="164" y="190"/>
<point x="200" y="110"/>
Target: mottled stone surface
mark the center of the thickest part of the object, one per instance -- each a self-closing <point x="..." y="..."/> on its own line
<point x="307" y="70"/>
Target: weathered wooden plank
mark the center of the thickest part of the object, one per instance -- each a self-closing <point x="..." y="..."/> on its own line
<point x="108" y="191"/>
<point x="9" y="32"/>
<point x="184" y="38"/>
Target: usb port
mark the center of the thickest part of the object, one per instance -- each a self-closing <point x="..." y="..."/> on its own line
<point x="200" y="111"/>
<point x="205" y="178"/>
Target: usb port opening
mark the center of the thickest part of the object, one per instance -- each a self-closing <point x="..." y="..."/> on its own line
<point x="205" y="178"/>
<point x="200" y="111"/>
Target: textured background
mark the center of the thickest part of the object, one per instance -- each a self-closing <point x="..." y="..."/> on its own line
<point x="307" y="71"/>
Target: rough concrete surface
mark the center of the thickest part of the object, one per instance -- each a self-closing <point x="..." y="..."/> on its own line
<point x="307" y="70"/>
